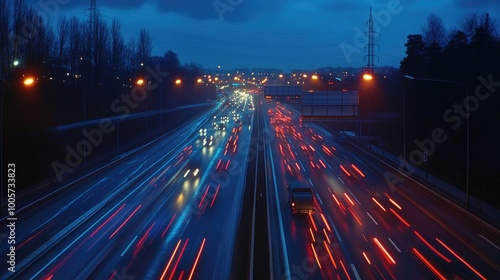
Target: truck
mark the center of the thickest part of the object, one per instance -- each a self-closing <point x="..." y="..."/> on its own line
<point x="300" y="198"/>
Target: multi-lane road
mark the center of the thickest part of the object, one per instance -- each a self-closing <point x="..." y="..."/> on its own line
<point x="213" y="205"/>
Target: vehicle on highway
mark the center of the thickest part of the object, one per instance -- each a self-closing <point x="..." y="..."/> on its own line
<point x="208" y="140"/>
<point x="300" y="198"/>
<point x="220" y="126"/>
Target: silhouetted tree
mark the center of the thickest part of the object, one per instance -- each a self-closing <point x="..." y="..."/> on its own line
<point x="117" y="46"/>
<point x="172" y="60"/>
<point x="434" y="32"/>
<point x="144" y="46"/>
<point x="5" y="22"/>
<point x="75" y="55"/>
<point x="413" y="63"/>
<point x="62" y="36"/>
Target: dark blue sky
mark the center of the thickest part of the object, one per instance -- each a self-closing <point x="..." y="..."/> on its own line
<point x="275" y="33"/>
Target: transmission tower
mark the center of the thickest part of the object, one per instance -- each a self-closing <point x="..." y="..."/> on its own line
<point x="370" y="33"/>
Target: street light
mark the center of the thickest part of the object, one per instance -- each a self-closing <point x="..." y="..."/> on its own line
<point x="467" y="126"/>
<point x="27" y="82"/>
<point x="199" y="81"/>
<point x="367" y="77"/>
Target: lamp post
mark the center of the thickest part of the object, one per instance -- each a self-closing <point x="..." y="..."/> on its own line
<point x="467" y="126"/>
<point x="27" y="82"/>
<point x="199" y="82"/>
<point x="368" y="77"/>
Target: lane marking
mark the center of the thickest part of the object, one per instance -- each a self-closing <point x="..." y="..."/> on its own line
<point x="319" y="199"/>
<point x="130" y="244"/>
<point x="355" y="271"/>
<point x="487" y="240"/>
<point x="372" y="218"/>
<point x="399" y="251"/>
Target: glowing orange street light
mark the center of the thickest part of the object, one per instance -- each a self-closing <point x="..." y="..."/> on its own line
<point x="314" y="77"/>
<point x="199" y="81"/>
<point x="140" y="82"/>
<point x="178" y="81"/>
<point x="29" y="81"/>
<point x="367" y="77"/>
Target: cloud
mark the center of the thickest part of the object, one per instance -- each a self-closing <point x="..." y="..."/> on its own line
<point x="342" y="6"/>
<point x="474" y="4"/>
<point x="224" y="10"/>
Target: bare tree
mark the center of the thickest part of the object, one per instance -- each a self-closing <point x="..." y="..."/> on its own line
<point x="101" y="48"/>
<point x="117" y="46"/>
<point x="469" y="25"/>
<point x="95" y="48"/>
<point x="62" y="35"/>
<point x="19" y="37"/>
<point x="5" y="21"/>
<point x="434" y="32"/>
<point x="144" y="46"/>
<point x="130" y="55"/>
<point x="74" y="46"/>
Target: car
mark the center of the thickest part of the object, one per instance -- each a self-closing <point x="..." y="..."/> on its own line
<point x="220" y="126"/>
<point x="300" y="198"/>
<point x="208" y="140"/>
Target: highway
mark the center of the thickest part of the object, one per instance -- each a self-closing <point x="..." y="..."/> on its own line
<point x="364" y="226"/>
<point x="176" y="210"/>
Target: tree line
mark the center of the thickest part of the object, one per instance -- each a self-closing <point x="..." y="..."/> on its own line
<point x="461" y="72"/>
<point x="457" y="53"/>
<point x="70" y="48"/>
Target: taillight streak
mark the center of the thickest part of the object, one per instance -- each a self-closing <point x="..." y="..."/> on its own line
<point x="384" y="251"/>
<point x="124" y="222"/>
<point x="197" y="258"/>
<point x="462" y="260"/>
<point x="111" y="217"/>
<point x="428" y="264"/>
<point x="170" y="260"/>
<point x="431" y="247"/>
